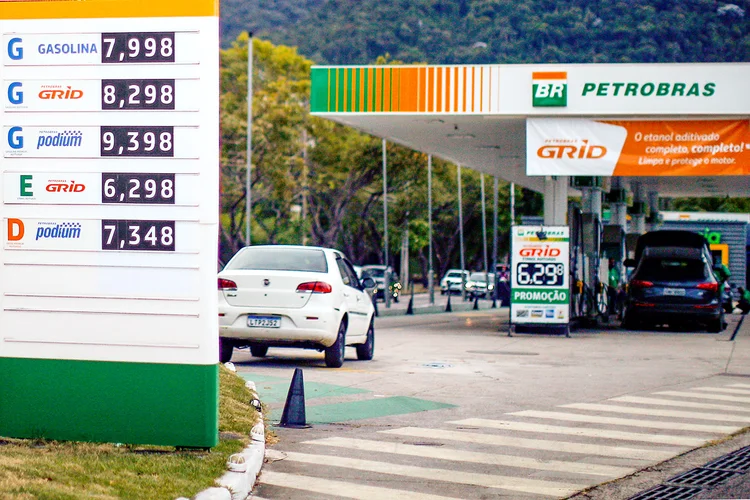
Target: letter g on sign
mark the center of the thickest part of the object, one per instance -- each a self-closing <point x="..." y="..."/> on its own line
<point x="15" y="139"/>
<point x="15" y="50"/>
<point x="15" y="95"/>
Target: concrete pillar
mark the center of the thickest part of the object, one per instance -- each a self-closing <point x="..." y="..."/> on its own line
<point x="638" y="212"/>
<point x="653" y="205"/>
<point x="591" y="205"/>
<point x="555" y="200"/>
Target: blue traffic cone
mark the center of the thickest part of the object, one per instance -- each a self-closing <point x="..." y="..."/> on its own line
<point x="294" y="408"/>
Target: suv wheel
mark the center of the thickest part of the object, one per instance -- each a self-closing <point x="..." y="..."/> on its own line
<point x="226" y="348"/>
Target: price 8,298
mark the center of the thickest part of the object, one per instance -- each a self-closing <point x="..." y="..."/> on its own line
<point x="540" y="274"/>
<point x="137" y="141"/>
<point x="151" y="189"/>
<point x="138" y="94"/>
<point x="154" y="235"/>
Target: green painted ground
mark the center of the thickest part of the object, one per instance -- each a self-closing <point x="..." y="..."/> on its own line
<point x="274" y="390"/>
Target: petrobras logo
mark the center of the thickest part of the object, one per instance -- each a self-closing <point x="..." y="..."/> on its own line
<point x="58" y="230"/>
<point x="578" y="149"/>
<point x="59" y="139"/>
<point x="58" y="92"/>
<point x="549" y="88"/>
<point x="15" y="93"/>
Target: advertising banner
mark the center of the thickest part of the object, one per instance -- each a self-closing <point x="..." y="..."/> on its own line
<point x="637" y="148"/>
<point x="540" y="288"/>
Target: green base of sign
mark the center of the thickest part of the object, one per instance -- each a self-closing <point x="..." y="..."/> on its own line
<point x="133" y="403"/>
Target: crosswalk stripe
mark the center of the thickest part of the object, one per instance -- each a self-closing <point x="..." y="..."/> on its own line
<point x="727" y="390"/>
<point x="746" y="386"/>
<point x="697" y="395"/>
<point x="521" y="484"/>
<point x="455" y="455"/>
<point x="535" y="444"/>
<point x="680" y="404"/>
<point x="653" y="424"/>
<point x="584" y="431"/>
<point x="341" y="488"/>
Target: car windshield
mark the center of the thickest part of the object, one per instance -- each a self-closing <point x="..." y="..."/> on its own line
<point x="376" y="272"/>
<point x="453" y="275"/>
<point x="280" y="259"/>
<point x="672" y="270"/>
<point x="478" y="277"/>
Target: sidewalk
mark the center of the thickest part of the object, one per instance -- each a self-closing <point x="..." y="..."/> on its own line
<point x="421" y="305"/>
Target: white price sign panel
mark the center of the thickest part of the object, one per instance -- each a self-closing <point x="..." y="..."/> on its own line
<point x="153" y="141"/>
<point x="540" y="286"/>
<point x="136" y="94"/>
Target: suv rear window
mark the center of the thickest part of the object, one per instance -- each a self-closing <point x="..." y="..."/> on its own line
<point x="672" y="270"/>
<point x="280" y="259"/>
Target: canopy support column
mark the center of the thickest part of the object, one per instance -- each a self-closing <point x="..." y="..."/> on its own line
<point x="555" y="200"/>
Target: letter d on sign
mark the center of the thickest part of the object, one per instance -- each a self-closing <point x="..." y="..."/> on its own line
<point x="15" y="229"/>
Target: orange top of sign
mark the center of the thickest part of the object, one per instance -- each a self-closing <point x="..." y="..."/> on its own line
<point x="87" y="9"/>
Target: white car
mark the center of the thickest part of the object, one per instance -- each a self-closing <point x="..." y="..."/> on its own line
<point x="477" y="285"/>
<point x="451" y="282"/>
<point x="294" y="296"/>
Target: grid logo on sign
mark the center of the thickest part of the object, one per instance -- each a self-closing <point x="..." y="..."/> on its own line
<point x="549" y="88"/>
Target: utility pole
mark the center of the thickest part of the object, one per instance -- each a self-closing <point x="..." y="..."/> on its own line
<point x="461" y="234"/>
<point x="386" y="275"/>
<point x="430" y="283"/>
<point x="484" y="236"/>
<point x="248" y="180"/>
<point x="494" y="238"/>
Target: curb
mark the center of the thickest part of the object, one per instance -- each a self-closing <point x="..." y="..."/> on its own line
<point x="242" y="468"/>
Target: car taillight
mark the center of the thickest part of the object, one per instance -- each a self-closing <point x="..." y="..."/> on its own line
<point x="315" y="287"/>
<point x="712" y="287"/>
<point x="227" y="284"/>
<point x="641" y="284"/>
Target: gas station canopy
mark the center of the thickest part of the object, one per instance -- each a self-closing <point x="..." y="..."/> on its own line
<point x="676" y="129"/>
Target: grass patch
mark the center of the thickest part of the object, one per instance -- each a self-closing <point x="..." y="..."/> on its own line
<point x="54" y="470"/>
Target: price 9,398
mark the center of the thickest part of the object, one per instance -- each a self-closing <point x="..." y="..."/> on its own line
<point x="137" y="141"/>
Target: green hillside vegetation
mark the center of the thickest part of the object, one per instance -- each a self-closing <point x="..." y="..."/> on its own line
<point x="316" y="182"/>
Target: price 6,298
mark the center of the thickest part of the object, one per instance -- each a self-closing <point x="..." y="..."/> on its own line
<point x="137" y="141"/>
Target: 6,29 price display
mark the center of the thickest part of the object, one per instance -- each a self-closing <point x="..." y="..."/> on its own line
<point x="156" y="189"/>
<point x="157" y="47"/>
<point x="138" y="94"/>
<point x="155" y="235"/>
<point x="539" y="274"/>
<point x="137" y="141"/>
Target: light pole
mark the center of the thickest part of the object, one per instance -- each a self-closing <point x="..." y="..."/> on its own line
<point x="484" y="236"/>
<point x="386" y="274"/>
<point x="248" y="183"/>
<point x="430" y="272"/>
<point x="461" y="234"/>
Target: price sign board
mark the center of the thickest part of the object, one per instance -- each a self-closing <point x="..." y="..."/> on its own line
<point x="109" y="173"/>
<point x="540" y="287"/>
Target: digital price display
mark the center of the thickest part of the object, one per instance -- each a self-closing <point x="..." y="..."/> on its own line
<point x="137" y="141"/>
<point x="138" y="94"/>
<point x="540" y="283"/>
<point x="156" y="47"/>
<point x="157" y="189"/>
<point x="540" y="274"/>
<point x="154" y="235"/>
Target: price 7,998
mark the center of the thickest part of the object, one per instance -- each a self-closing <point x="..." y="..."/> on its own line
<point x="155" y="235"/>
<point x="137" y="141"/>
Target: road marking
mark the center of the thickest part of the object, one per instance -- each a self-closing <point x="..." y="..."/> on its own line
<point x="696" y="395"/>
<point x="680" y="404"/>
<point x="340" y="488"/>
<point x="535" y="444"/>
<point x="746" y="386"/>
<point x="722" y="389"/>
<point x="473" y="457"/>
<point x="584" y="431"/>
<point x="521" y="484"/>
<point x="720" y="429"/>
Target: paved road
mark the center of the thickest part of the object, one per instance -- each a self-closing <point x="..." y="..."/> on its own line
<point x="451" y="407"/>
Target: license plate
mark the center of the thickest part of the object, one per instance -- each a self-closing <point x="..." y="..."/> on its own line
<point x="674" y="292"/>
<point x="264" y="321"/>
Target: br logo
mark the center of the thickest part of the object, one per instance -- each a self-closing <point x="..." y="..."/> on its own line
<point x="549" y="88"/>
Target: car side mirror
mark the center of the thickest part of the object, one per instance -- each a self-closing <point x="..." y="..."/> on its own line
<point x="629" y="263"/>
<point x="368" y="283"/>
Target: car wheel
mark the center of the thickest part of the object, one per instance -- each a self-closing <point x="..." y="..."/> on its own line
<point x="628" y="322"/>
<point x="717" y="325"/>
<point x="259" y="351"/>
<point x="366" y="351"/>
<point x="226" y="348"/>
<point x="335" y="353"/>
